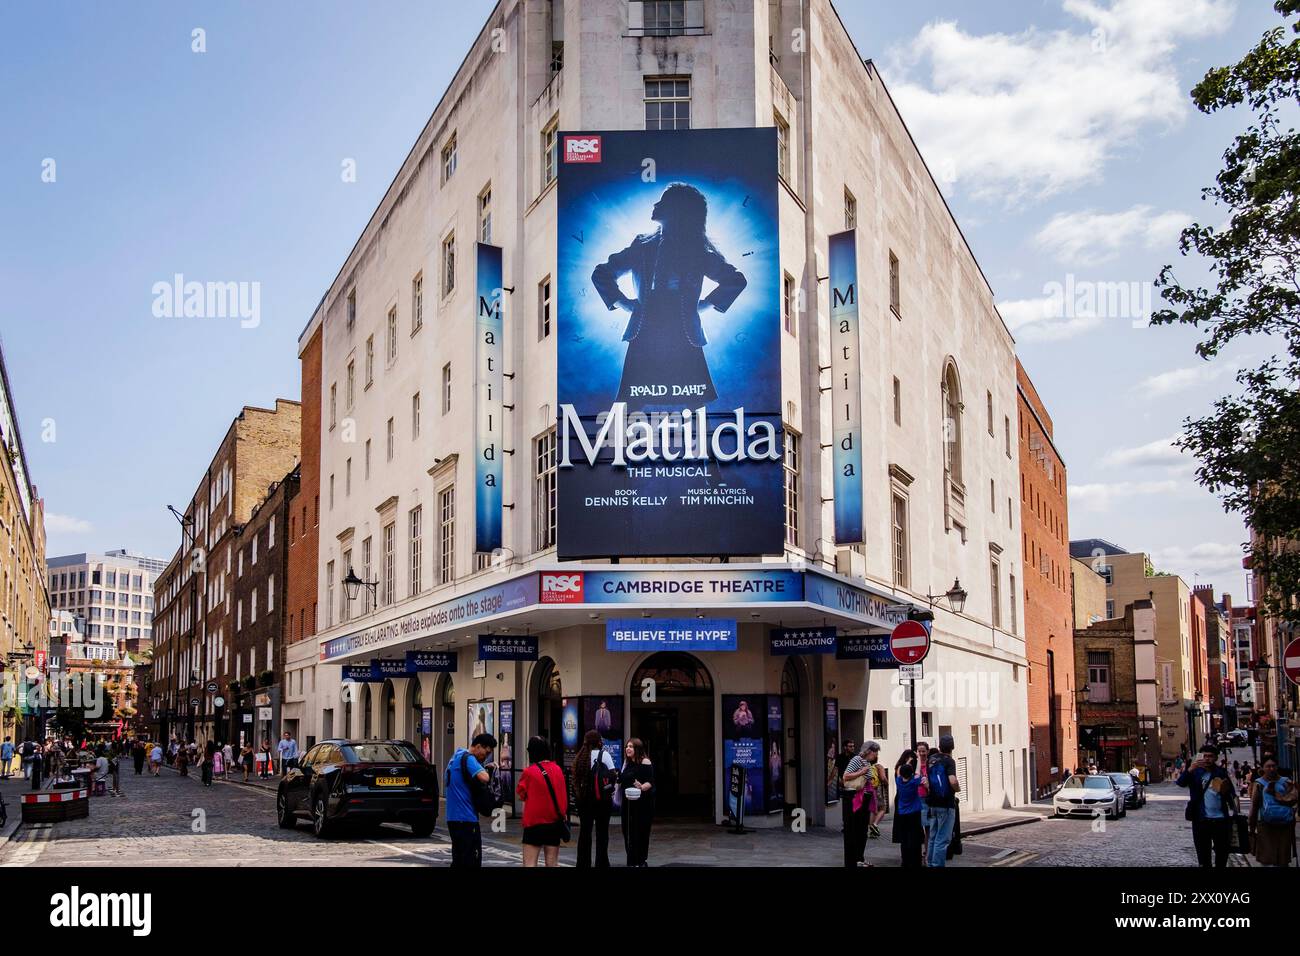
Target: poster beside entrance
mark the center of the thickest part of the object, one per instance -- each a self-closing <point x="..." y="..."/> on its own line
<point x="604" y="714"/>
<point x="752" y="740"/>
<point x="831" y="707"/>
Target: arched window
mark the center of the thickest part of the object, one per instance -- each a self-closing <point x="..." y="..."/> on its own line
<point x="952" y="411"/>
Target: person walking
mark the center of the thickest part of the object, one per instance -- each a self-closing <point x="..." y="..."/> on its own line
<point x="465" y="766"/>
<point x="941" y="797"/>
<point x="265" y="753"/>
<point x="288" y="751"/>
<point x="881" y="783"/>
<point x="183" y="761"/>
<point x="155" y="758"/>
<point x="1210" y="808"/>
<point x="218" y="763"/>
<point x="594" y="779"/>
<point x="922" y="766"/>
<point x="35" y="766"/>
<point x="115" y="757"/>
<point x="227" y="758"/>
<point x="6" y="758"/>
<point x="636" y="785"/>
<point x="209" y="751"/>
<point x="28" y="750"/>
<point x="546" y="805"/>
<point x="1272" y="816"/>
<point x="138" y="754"/>
<point x="246" y="759"/>
<point x="908" y="833"/>
<point x="860" y="792"/>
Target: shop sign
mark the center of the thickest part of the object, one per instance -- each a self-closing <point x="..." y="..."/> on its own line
<point x="669" y="362"/>
<point x="361" y="673"/>
<point x="430" y="661"/>
<point x="801" y="640"/>
<point x="680" y="634"/>
<point x="682" y="588"/>
<point x="384" y="669"/>
<point x="872" y="648"/>
<point x="264" y="713"/>
<point x="494" y="647"/>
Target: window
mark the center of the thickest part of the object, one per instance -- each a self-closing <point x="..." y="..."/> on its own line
<point x="365" y="574"/>
<point x="900" y="544"/>
<point x="329" y="594"/>
<point x="1006" y="426"/>
<point x="1013" y="594"/>
<point x="898" y="401"/>
<point x="1110" y="610"/>
<point x="927" y="723"/>
<point x="1099" y="677"/>
<point x="389" y="435"/>
<point x="667" y="103"/>
<point x="334" y="395"/>
<point x="791" y="487"/>
<point x="415" y="416"/>
<point x="417" y="549"/>
<point x="990" y="411"/>
<point x="417" y="303"/>
<point x="789" y="300"/>
<point x="367" y="466"/>
<point x="389" y="584"/>
<point x="446" y="388"/>
<point x="782" y="148"/>
<point x="370" y="361"/>
<point x="895" y="288"/>
<point x="270" y="593"/>
<point x="550" y="153"/>
<point x="446" y="535"/>
<point x="351" y="391"/>
<point x="879" y="727"/>
<point x="850" y="210"/>
<point x="352" y="310"/>
<point x="392" y="335"/>
<point x="252" y="608"/>
<point x="544" y="491"/>
<point x="952" y="424"/>
<point x="449" y="159"/>
<point x="995" y="592"/>
<point x="347" y="478"/>
<point x="485" y="214"/>
<point x="449" y="265"/>
<point x="331" y="494"/>
<point x="544" y="308"/>
<point x="993" y="496"/>
<point x="661" y="18"/>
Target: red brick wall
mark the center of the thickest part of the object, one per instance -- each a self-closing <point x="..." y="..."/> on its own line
<point x="1045" y="572"/>
<point x="304" y="508"/>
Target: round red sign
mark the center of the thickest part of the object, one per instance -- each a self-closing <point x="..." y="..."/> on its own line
<point x="909" y="642"/>
<point x="1291" y="661"/>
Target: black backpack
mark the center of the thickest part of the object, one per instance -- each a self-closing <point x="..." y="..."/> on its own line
<point x="486" y="797"/>
<point x="603" y="779"/>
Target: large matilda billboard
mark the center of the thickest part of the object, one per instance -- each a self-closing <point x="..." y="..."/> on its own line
<point x="669" y="345"/>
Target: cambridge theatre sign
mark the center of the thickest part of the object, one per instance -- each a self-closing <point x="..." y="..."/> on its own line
<point x="572" y="588"/>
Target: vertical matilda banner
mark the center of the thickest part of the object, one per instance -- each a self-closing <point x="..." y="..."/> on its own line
<point x="669" y="327"/>
<point x="487" y="398"/>
<point x="846" y="390"/>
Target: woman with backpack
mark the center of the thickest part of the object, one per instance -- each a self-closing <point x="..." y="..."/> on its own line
<point x="594" y="780"/>
<point x="1272" y="816"/>
<point x="546" y="805"/>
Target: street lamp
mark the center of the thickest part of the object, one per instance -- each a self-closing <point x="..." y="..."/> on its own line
<point x="352" y="586"/>
<point x="955" y="595"/>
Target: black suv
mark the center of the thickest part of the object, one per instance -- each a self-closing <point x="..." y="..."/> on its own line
<point x="366" y="781"/>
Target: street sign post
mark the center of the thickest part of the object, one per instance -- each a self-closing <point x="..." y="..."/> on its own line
<point x="1291" y="661"/>
<point x="910" y="642"/>
<point x="911" y="672"/>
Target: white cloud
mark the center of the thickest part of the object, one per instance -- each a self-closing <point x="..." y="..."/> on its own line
<point x="1045" y="319"/>
<point x="1088" y="238"/>
<point x="1029" y="114"/>
<point x="65" y="524"/>
<point x="1101" y="495"/>
<point x="1214" y="562"/>
<point x="1153" y="454"/>
<point x="1181" y="379"/>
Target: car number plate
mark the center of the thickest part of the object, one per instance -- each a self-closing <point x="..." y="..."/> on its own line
<point x="393" y="781"/>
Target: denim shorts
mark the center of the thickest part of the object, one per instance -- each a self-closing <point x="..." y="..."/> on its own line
<point x="925" y="817"/>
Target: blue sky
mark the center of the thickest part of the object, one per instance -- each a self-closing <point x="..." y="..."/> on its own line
<point x="1060" y="130"/>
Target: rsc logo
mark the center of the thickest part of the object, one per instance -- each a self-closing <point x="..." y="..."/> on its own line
<point x="582" y="149"/>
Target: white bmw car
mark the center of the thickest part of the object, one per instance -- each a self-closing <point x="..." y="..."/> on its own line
<point x="1087" y="796"/>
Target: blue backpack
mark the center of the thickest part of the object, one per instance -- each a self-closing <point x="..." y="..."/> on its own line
<point x="936" y="778"/>
<point x="1272" y="811"/>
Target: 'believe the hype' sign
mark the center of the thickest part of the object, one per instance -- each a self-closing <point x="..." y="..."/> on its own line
<point x="660" y="634"/>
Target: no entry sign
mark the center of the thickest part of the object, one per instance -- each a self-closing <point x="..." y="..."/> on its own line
<point x="1291" y="661"/>
<point x="910" y="642"/>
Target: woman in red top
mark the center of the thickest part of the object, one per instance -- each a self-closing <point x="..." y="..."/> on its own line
<point x="545" y="793"/>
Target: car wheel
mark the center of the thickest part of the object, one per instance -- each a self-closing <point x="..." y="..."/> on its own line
<point x="283" y="815"/>
<point x="319" y="822"/>
<point x="422" y="828"/>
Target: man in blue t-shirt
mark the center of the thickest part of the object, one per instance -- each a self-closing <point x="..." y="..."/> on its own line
<point x="462" y="818"/>
<point x="1211" y="807"/>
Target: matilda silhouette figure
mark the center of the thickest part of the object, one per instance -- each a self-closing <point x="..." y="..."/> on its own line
<point x="665" y="363"/>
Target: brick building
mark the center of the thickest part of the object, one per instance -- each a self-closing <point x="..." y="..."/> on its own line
<point x="194" y="620"/>
<point x="1049" y="628"/>
<point x="1119" y="717"/>
<point x="304" y="544"/>
<point x="254" y="676"/>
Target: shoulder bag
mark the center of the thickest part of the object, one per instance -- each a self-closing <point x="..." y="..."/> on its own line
<point x="566" y="834"/>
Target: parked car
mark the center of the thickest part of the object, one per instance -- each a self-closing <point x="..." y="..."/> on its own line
<point x="362" y="781"/>
<point x="1086" y="795"/>
<point x="1135" y="794"/>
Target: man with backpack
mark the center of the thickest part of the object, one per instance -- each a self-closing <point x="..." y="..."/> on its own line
<point x="941" y="797"/>
<point x="468" y="796"/>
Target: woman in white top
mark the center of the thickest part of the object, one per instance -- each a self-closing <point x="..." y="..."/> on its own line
<point x="594" y="783"/>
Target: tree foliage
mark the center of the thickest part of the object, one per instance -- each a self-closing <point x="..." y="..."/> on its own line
<point x="1248" y="446"/>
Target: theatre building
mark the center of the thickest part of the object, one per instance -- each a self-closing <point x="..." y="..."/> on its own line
<point x="658" y="390"/>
